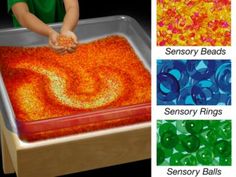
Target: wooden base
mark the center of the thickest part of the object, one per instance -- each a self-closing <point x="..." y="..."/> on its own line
<point x="75" y="153"/>
<point x="6" y="159"/>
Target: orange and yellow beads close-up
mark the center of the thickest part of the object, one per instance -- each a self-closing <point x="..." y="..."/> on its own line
<point x="193" y="22"/>
<point x="65" y="41"/>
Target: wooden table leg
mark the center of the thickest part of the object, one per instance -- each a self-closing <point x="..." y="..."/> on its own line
<point x="6" y="159"/>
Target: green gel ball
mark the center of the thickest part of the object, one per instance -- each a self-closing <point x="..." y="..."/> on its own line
<point x="180" y="125"/>
<point x="194" y="126"/>
<point x="224" y="130"/>
<point x="175" y="159"/>
<point x="168" y="152"/>
<point x="225" y="161"/>
<point x="179" y="147"/>
<point x="169" y="139"/>
<point x="213" y="124"/>
<point x="208" y="137"/>
<point x="222" y="148"/>
<point x="160" y="156"/>
<point x="191" y="143"/>
<point x="167" y="127"/>
<point x="205" y="156"/>
<point x="188" y="160"/>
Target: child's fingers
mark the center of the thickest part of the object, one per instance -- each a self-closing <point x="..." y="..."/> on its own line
<point x="75" y="39"/>
<point x="68" y="40"/>
<point x="52" y="44"/>
<point x="57" y="49"/>
<point x="73" y="36"/>
<point x="55" y="46"/>
<point x="74" y="46"/>
<point x="71" y="50"/>
<point x="62" y="52"/>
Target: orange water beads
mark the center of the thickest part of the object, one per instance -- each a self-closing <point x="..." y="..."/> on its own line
<point x="65" y="41"/>
<point x="102" y="74"/>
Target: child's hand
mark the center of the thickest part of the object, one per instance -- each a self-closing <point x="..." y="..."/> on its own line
<point x="70" y="35"/>
<point x="53" y="36"/>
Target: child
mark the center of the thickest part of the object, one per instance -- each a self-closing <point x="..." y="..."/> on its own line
<point x="35" y="14"/>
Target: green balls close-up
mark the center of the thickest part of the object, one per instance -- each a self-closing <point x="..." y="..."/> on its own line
<point x="188" y="160"/>
<point x="175" y="159"/>
<point x="205" y="155"/>
<point x="161" y="156"/>
<point x="222" y="148"/>
<point x="167" y="126"/>
<point x="169" y="139"/>
<point x="194" y="143"/>
<point x="191" y="143"/>
<point x="194" y="127"/>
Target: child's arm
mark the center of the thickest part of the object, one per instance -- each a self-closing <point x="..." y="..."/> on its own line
<point x="30" y="21"/>
<point x="71" y="19"/>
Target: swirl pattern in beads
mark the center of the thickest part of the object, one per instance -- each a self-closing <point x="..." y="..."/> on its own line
<point x="102" y="74"/>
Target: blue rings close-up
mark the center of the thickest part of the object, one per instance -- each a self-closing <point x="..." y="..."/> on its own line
<point x="194" y="82"/>
<point x="168" y="86"/>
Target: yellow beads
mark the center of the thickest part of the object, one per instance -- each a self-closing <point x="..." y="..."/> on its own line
<point x="193" y="23"/>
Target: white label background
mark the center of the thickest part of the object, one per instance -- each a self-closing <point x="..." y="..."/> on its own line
<point x="229" y="112"/>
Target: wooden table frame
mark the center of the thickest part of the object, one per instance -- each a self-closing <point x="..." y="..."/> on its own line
<point x="74" y="153"/>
